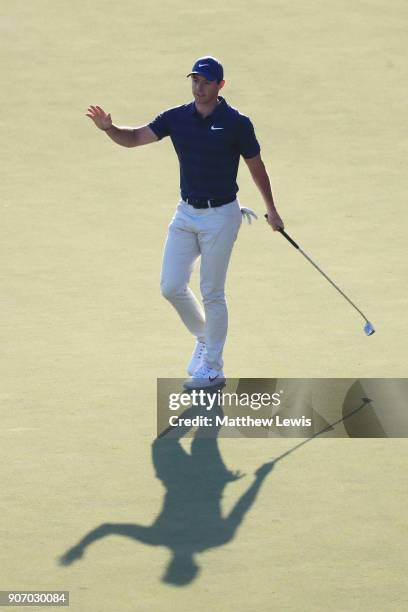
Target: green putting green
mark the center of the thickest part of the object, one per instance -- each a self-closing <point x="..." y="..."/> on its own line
<point x="86" y="333"/>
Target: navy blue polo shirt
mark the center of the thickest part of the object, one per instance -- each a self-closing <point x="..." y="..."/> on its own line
<point x="208" y="149"/>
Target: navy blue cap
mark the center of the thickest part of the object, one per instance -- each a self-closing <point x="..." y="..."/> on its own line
<point x="208" y="67"/>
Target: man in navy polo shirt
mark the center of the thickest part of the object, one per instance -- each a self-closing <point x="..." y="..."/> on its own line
<point x="209" y="137"/>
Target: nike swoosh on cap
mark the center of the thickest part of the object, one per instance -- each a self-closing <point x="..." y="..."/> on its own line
<point x="202" y="65"/>
<point x="216" y="128"/>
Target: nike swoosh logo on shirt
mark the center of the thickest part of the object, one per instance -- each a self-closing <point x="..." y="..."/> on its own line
<point x="215" y="128"/>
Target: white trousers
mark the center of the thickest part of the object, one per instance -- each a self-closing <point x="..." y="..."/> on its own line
<point x="209" y="233"/>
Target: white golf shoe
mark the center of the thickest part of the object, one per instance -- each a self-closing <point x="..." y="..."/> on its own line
<point x="205" y="377"/>
<point x="196" y="358"/>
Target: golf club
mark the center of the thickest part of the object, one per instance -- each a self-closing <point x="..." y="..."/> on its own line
<point x="368" y="327"/>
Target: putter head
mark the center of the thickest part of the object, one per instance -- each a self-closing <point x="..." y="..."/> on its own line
<point x="369" y="329"/>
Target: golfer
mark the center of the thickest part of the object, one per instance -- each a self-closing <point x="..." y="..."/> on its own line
<point x="209" y="136"/>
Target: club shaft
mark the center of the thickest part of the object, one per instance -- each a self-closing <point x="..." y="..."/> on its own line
<point x="331" y="282"/>
<point x="293" y="243"/>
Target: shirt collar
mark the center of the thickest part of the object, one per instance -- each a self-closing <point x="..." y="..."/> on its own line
<point x="218" y="109"/>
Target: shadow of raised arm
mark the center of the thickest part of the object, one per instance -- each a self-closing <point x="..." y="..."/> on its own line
<point x="147" y="535"/>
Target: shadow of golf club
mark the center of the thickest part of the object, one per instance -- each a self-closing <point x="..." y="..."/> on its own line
<point x="354" y="392"/>
<point x="191" y="520"/>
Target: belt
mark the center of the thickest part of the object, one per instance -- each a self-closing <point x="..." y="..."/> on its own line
<point x="208" y="203"/>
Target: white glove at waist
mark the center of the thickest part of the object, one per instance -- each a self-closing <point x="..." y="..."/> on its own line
<point x="247" y="213"/>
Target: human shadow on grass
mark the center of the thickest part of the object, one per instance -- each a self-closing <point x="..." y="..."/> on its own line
<point x="191" y="520"/>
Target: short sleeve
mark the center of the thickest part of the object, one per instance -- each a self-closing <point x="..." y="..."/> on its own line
<point x="247" y="142"/>
<point x="160" y="125"/>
